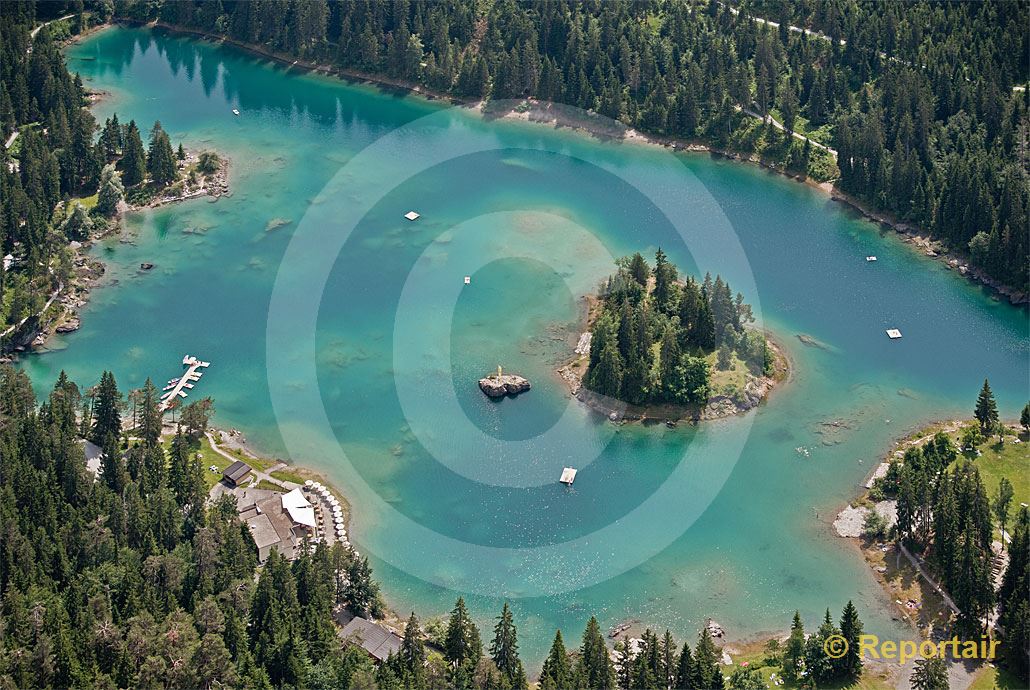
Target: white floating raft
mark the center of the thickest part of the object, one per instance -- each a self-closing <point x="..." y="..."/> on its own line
<point x="568" y="475"/>
<point x="870" y="258"/>
<point x="468" y="280"/>
<point x="411" y="215"/>
<point x="235" y="111"/>
<point x="893" y="333"/>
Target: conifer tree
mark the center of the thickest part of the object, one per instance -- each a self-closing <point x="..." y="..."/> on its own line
<point x="986" y="410"/>
<point x="794" y="654"/>
<point x="1013" y="605"/>
<point x="462" y="644"/>
<point x="684" y="669"/>
<point x="412" y="654"/>
<point x="820" y="667"/>
<point x="930" y="674"/>
<point x="666" y="670"/>
<point x="362" y="592"/>
<point x="111" y="191"/>
<point x="706" y="672"/>
<point x="504" y="649"/>
<point x="849" y="666"/>
<point x="106" y="410"/>
<point x="150" y="415"/>
<point x="134" y="159"/>
<point x="594" y="669"/>
<point x="557" y="673"/>
<point x="160" y="158"/>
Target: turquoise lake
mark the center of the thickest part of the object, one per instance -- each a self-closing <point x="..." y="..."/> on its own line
<point x="342" y="337"/>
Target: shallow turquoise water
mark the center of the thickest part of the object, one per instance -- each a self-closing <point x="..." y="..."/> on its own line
<point x="668" y="526"/>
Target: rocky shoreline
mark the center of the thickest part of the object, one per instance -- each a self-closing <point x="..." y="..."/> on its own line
<point x="921" y="242"/>
<point x="87" y="271"/>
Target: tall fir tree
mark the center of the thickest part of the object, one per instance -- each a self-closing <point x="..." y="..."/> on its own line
<point x="504" y="650"/>
<point x="986" y="410"/>
<point x="160" y="158"/>
<point x="134" y="158"/>
<point x="107" y="417"/>
<point x="594" y="669"/>
<point x="557" y="672"/>
<point x="462" y="643"/>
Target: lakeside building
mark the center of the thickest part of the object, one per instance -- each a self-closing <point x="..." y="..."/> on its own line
<point x="279" y="521"/>
<point x="236" y="473"/>
<point x="376" y="640"/>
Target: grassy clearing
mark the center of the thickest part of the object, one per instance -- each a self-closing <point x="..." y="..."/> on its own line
<point x="289" y="475"/>
<point x="207" y="456"/>
<point x="87" y="203"/>
<point x="1003" y="459"/>
<point x="991" y="677"/>
<point x="755" y="656"/>
<point x="729" y="382"/>
<point x="822" y="134"/>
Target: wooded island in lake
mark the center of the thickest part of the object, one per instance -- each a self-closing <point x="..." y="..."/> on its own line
<point x="657" y="339"/>
<point x="142" y="547"/>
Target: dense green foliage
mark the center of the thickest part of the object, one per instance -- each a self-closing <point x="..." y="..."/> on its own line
<point x="937" y="134"/>
<point x="54" y="158"/>
<point x="1014" y="604"/>
<point x="653" y="331"/>
<point x="948" y="515"/>
<point x="133" y="580"/>
<point x="917" y="97"/>
<point x="930" y="674"/>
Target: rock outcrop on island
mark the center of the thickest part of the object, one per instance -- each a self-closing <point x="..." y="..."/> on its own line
<point x="499" y="385"/>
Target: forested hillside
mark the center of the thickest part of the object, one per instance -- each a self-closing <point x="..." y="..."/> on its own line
<point x="48" y="154"/>
<point x="132" y="579"/>
<point x="917" y="97"/>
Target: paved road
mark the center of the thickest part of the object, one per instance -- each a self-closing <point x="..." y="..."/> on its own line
<point x="257" y="473"/>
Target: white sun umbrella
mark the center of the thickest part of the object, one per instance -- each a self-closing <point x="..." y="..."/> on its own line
<point x="308" y="482"/>
<point x="317" y="485"/>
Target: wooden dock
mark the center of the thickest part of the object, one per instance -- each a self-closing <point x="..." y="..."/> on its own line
<point x="177" y="388"/>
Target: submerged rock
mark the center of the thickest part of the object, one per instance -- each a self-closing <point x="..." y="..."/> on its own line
<point x="499" y="385"/>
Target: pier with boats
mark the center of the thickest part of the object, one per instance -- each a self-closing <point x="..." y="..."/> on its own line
<point x="179" y="387"/>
